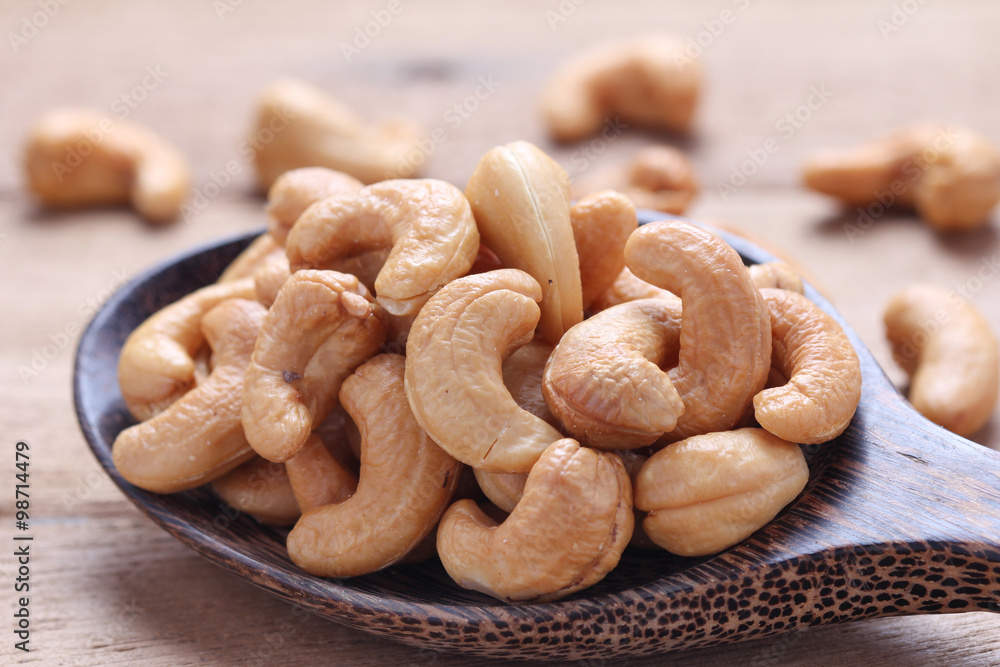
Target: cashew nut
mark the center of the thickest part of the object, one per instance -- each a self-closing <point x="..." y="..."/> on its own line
<point x="79" y="158"/>
<point x="776" y="274"/>
<point x="604" y="380"/>
<point x="320" y="328"/>
<point x="823" y="371"/>
<point x="156" y="365"/>
<point x="454" y="375"/>
<point x="568" y="530"/>
<point x="256" y="255"/>
<point x="950" y="353"/>
<point x="261" y="489"/>
<point x="296" y="190"/>
<point x="949" y="175"/>
<point x="520" y="198"/>
<point x="633" y="460"/>
<point x="317" y="478"/>
<point x="427" y="224"/>
<point x="602" y="222"/>
<point x="712" y="491"/>
<point x="627" y="287"/>
<point x="504" y="489"/>
<point x="660" y="178"/>
<point x="270" y="277"/>
<point x="405" y="485"/>
<point x="298" y="125"/>
<point x="200" y="436"/>
<point x="649" y="81"/>
<point x="725" y="340"/>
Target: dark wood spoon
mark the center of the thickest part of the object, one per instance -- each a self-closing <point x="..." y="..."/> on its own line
<point x="899" y="517"/>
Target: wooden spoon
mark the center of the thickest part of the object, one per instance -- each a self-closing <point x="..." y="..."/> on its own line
<point x="899" y="517"/>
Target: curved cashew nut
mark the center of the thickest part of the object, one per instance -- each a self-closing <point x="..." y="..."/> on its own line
<point x="299" y="125"/>
<point x="270" y="277"/>
<point x="263" y="249"/>
<point x="950" y="175"/>
<point x="317" y="478"/>
<point x="454" y="375"/>
<point x="649" y="81"/>
<point x="81" y="158"/>
<point x="568" y="530"/>
<point x="520" y="198"/>
<point x="950" y="353"/>
<point x="776" y="274"/>
<point x="296" y="190"/>
<point x="604" y="380"/>
<point x="725" y="346"/>
<point x="711" y="491"/>
<point x="405" y="485"/>
<point x="823" y="371"/>
<point x="427" y="223"/>
<point x="260" y="488"/>
<point x="200" y="436"/>
<point x="660" y="178"/>
<point x="602" y="222"/>
<point x="627" y="287"/>
<point x="157" y="365"/>
<point x="320" y="328"/>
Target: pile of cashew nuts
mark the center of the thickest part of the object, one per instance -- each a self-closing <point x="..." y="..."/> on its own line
<point x="519" y="384"/>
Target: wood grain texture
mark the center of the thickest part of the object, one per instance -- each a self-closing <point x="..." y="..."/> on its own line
<point x="96" y="556"/>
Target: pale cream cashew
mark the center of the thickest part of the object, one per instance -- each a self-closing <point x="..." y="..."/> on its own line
<point x="296" y="190"/>
<point x="261" y="489"/>
<point x="776" y="274"/>
<point x="627" y="287"/>
<point x="316" y="477"/>
<point x="602" y="222"/>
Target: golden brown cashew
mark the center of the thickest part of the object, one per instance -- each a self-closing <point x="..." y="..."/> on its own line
<point x="320" y="328"/>
<point x="725" y="348"/>
<point x="270" y="277"/>
<point x="200" y="436"/>
<point x="647" y="81"/>
<point x="633" y="460"/>
<point x="604" y="380"/>
<point x="660" y="178"/>
<point x="950" y="353"/>
<point x="405" y="485"/>
<point x="156" y="365"/>
<point x="298" y="125"/>
<point x="627" y="287"/>
<point x="296" y="190"/>
<point x="776" y="274"/>
<point x="711" y="491"/>
<point x="566" y="533"/>
<point x="317" y="478"/>
<point x="520" y="198"/>
<point x="824" y="375"/>
<point x="503" y="489"/>
<point x="454" y="376"/>
<point x="950" y="175"/>
<point x="77" y="157"/>
<point x="602" y="222"/>
<point x="427" y="224"/>
<point x="258" y="253"/>
<point x="261" y="489"/>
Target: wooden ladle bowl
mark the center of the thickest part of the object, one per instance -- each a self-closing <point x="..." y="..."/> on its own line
<point x="899" y="517"/>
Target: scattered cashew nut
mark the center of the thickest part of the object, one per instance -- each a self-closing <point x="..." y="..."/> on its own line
<point x="317" y="478"/>
<point x="296" y="190"/>
<point x="950" y="352"/>
<point x="261" y="251"/>
<point x="659" y="178"/>
<point x="261" y="489"/>
<point x="602" y="222"/>
<point x="776" y="274"/>
<point x="627" y="287"/>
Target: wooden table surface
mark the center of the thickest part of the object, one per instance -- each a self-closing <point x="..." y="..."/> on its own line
<point x="110" y="588"/>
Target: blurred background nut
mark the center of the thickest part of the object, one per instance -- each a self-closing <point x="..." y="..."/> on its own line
<point x="566" y="533"/>
<point x="76" y="158"/>
<point x="950" y="175"/>
<point x="261" y="489"/>
<point x="659" y="178"/>
<point x="950" y="352"/>
<point x="711" y="491"/>
<point x="298" y="125"/>
<point x="296" y="190"/>
<point x="648" y="81"/>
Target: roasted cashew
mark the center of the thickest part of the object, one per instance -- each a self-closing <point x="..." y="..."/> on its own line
<point x="823" y="371"/>
<point x="712" y="491"/>
<point x="320" y="328"/>
<point x="296" y="190"/>
<point x="454" y="376"/>
<point x="604" y="380"/>
<point x="627" y="287"/>
<point x="950" y="353"/>
<point x="427" y="223"/>
<point x="405" y="485"/>
<point x="520" y="198"/>
<point x="602" y="222"/>
<point x="568" y="530"/>
<point x="776" y="274"/>
<point x="79" y="158"/>
<point x="256" y="255"/>
<point x="200" y="436"/>
<point x="503" y="489"/>
<point x="633" y="460"/>
<point x="725" y="345"/>
<point x="270" y="277"/>
<point x="649" y="81"/>
<point x="156" y="366"/>
<point x="950" y="175"/>
<point x="660" y="178"/>
<point x="317" y="478"/>
<point x="261" y="489"/>
<point x="298" y="125"/>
